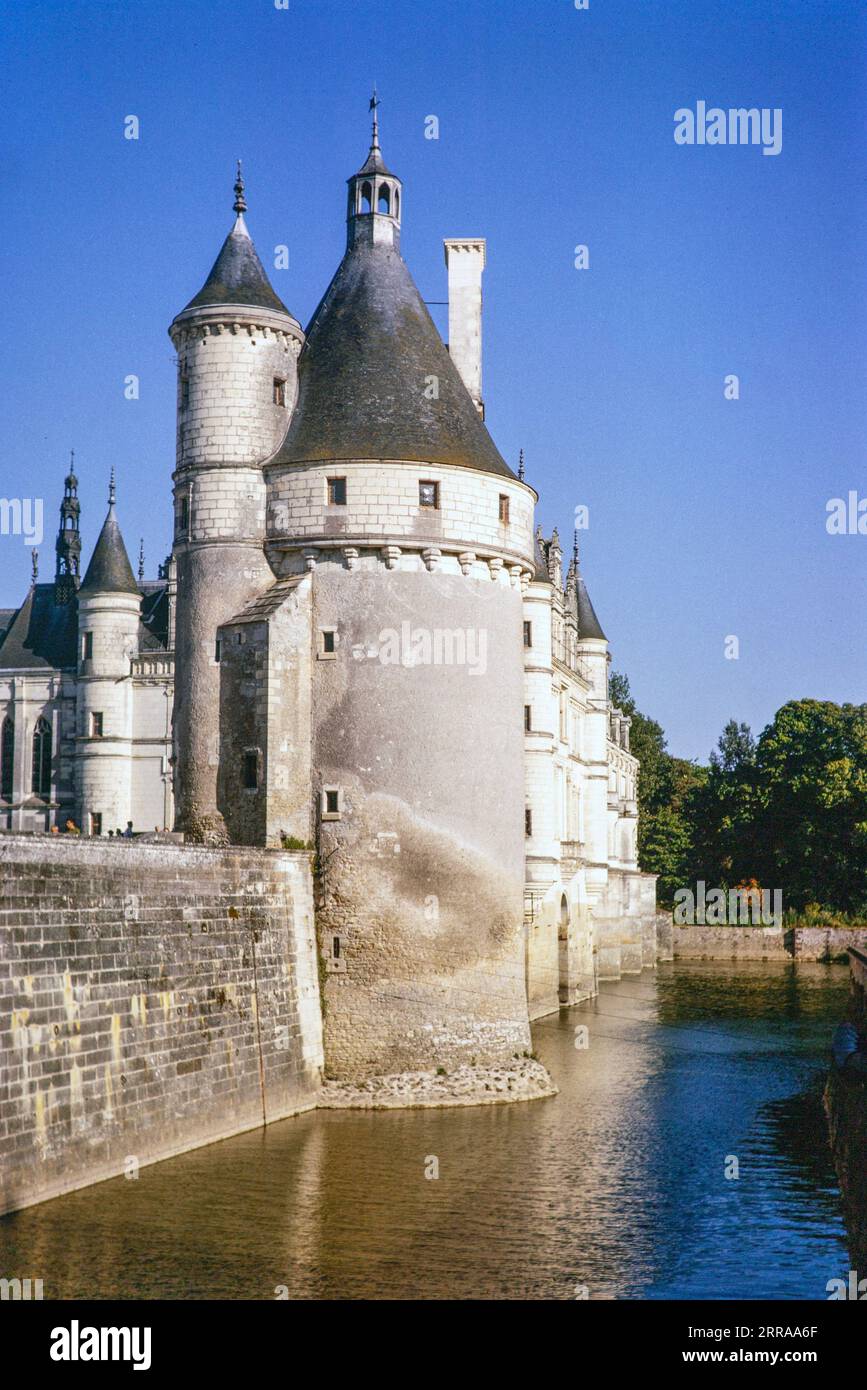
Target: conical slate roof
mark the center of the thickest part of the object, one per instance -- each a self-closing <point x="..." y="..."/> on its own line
<point x="109" y="568"/>
<point x="238" y="276"/>
<point x="588" y="623"/>
<point x="371" y="351"/>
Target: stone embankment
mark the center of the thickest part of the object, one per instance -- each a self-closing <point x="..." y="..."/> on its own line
<point x="705" y="942"/>
<point x="527" y="1079"/>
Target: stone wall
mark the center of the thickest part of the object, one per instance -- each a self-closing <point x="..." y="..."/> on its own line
<point x="703" y="942"/>
<point x="729" y="943"/>
<point x="825" y="943"/>
<point x="153" y="998"/>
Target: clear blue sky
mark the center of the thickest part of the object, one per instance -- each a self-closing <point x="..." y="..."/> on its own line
<point x="556" y="128"/>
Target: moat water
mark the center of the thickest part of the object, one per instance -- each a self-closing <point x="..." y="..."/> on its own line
<point x="617" y="1185"/>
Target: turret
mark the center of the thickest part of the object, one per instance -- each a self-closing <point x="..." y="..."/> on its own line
<point x="109" y="605"/>
<point x="68" y="545"/>
<point x="237" y="346"/>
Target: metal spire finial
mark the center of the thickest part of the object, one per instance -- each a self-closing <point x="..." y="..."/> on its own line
<point x="240" y="203"/>
<point x="374" y="104"/>
<point x="575" y="549"/>
<point x="521" y="466"/>
<point x="141" y="561"/>
<point x="111" y="488"/>
<point x="34" y="563"/>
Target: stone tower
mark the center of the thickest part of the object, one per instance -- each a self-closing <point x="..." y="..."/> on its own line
<point x="109" y="605"/>
<point x="391" y="508"/>
<point x="67" y="575"/>
<point x="237" y="346"/>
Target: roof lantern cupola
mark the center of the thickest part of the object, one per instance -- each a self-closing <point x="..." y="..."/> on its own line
<point x="373" y="206"/>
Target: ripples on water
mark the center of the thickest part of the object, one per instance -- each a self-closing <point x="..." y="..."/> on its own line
<point x="617" y="1184"/>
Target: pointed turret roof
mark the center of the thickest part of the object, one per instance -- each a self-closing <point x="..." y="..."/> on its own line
<point x="109" y="569"/>
<point x="237" y="275"/>
<point x="375" y="380"/>
<point x="579" y="599"/>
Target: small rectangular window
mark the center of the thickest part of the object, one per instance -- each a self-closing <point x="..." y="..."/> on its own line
<point x="331" y="809"/>
<point x="528" y="717"/>
<point x="88" y="646"/>
<point x="251" y="769"/>
<point x="337" y="492"/>
<point x="218" y="650"/>
<point x="185" y="390"/>
<point x="335" y="947"/>
<point x="96" y="823"/>
<point x="528" y="634"/>
<point x="183" y="513"/>
<point x="428" y="494"/>
<point x="327" y="642"/>
<point x="279" y="391"/>
<point x="528" y="821"/>
<point x="96" y="725"/>
<point x="504" y="509"/>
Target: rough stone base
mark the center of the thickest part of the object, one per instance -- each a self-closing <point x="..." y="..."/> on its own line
<point x="468" y="1085"/>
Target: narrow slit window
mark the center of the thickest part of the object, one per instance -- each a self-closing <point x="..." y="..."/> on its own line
<point x="218" y="650"/>
<point x="504" y="509"/>
<point x="87" y="652"/>
<point x="251" y="769"/>
<point x="95" y="725"/>
<point x="528" y="821"/>
<point x="528" y="717"/>
<point x="528" y="634"/>
<point x="279" y="391"/>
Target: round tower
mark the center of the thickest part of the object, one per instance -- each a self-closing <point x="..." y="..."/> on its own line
<point x="109" y="605"/>
<point x="391" y="494"/>
<point x="237" y="346"/>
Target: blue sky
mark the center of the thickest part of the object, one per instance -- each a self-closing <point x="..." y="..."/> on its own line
<point x="707" y="516"/>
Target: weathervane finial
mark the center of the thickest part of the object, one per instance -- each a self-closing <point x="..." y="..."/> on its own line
<point x="141" y="561"/>
<point x="521" y="465"/>
<point x="111" y="488"/>
<point x="575" y="549"/>
<point x="375" y="103"/>
<point x="240" y="203"/>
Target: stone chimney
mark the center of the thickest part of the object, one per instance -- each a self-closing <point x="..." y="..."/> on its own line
<point x="465" y="261"/>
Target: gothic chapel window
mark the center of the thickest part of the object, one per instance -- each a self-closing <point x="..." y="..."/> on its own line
<point x="41" y="779"/>
<point x="7" y="757"/>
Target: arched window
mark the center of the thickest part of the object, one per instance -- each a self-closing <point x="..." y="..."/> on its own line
<point x="366" y="197"/>
<point x="41" y="780"/>
<point x="384" y="200"/>
<point x="7" y="756"/>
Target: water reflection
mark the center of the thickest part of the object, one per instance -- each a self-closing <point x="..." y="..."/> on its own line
<point x="617" y="1184"/>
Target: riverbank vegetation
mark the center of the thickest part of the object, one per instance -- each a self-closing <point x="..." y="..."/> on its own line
<point x="786" y="810"/>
